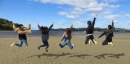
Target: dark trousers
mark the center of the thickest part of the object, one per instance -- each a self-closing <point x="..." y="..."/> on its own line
<point x="106" y="41"/>
<point x="89" y="38"/>
<point x="45" y="43"/>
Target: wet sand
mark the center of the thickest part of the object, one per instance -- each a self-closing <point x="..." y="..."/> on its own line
<point x="81" y="54"/>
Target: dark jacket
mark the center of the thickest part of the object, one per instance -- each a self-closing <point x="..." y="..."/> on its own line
<point x="90" y="28"/>
<point x="45" y="34"/>
<point x="108" y="33"/>
<point x="22" y="36"/>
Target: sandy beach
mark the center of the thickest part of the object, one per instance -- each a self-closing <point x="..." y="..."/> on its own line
<point x="80" y="54"/>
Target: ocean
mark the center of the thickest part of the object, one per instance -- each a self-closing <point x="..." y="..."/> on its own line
<point x="12" y="34"/>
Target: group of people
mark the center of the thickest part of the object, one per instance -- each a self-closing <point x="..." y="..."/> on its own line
<point x="22" y="31"/>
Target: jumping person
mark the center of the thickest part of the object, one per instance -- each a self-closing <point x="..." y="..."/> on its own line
<point x="109" y="34"/>
<point x="45" y="35"/>
<point x="21" y="34"/>
<point x="67" y="38"/>
<point x="89" y="31"/>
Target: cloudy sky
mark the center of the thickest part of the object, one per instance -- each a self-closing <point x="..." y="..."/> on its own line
<point x="65" y="12"/>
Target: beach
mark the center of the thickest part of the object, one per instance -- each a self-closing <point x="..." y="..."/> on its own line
<point x="81" y="53"/>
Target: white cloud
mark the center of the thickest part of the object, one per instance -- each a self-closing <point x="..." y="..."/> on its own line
<point x="127" y="15"/>
<point x="122" y="24"/>
<point x="95" y="9"/>
<point x="80" y="7"/>
<point x="79" y="24"/>
<point x="109" y="0"/>
<point x="115" y="21"/>
<point x="61" y="23"/>
<point x="62" y="13"/>
<point x="67" y="14"/>
<point x="112" y="16"/>
<point x="70" y="16"/>
<point x="89" y="7"/>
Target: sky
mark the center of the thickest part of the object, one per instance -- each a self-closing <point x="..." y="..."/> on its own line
<point x="65" y="12"/>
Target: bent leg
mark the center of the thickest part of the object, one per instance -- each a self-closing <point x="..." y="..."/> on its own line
<point x="92" y="38"/>
<point x="25" y="43"/>
<point x="87" y="40"/>
<point x="105" y="42"/>
<point x="69" y="44"/>
<point x="20" y="43"/>
<point x="63" y="44"/>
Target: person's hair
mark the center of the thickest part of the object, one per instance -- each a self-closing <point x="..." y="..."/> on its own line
<point x="68" y="31"/>
<point x="109" y="27"/>
<point x="18" y="25"/>
<point x="44" y="28"/>
<point x="89" y="22"/>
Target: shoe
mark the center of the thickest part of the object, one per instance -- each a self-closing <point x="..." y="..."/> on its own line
<point x="60" y="45"/>
<point x="46" y="49"/>
<point x="94" y="41"/>
<point x="89" y="42"/>
<point x="12" y="44"/>
<point x="111" y="44"/>
<point x="26" y="47"/>
<point x="38" y="47"/>
<point x="73" y="45"/>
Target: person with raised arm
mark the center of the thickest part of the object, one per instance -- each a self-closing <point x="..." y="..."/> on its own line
<point x="67" y="38"/>
<point x="109" y="34"/>
<point x="45" y="35"/>
<point x="89" y="31"/>
<point x="21" y="31"/>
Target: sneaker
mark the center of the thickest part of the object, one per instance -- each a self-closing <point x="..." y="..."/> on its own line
<point x="89" y="42"/>
<point x="73" y="45"/>
<point x="12" y="44"/>
<point x="38" y="47"/>
<point x="94" y="41"/>
<point x="60" y="45"/>
<point x="111" y="44"/>
<point x="46" y="49"/>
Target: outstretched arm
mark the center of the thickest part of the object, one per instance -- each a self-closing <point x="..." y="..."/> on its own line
<point x="102" y="34"/>
<point x="38" y="26"/>
<point x="14" y="27"/>
<point x="51" y="26"/>
<point x="63" y="37"/>
<point x="94" y="20"/>
<point x="113" y="28"/>
<point x="112" y="23"/>
<point x="29" y="25"/>
<point x="71" y="26"/>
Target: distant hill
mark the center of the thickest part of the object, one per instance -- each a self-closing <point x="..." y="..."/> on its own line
<point x="5" y="24"/>
<point x="95" y="29"/>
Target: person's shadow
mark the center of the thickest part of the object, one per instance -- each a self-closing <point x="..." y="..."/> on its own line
<point x="51" y="55"/>
<point x="81" y="56"/>
<point x="109" y="55"/>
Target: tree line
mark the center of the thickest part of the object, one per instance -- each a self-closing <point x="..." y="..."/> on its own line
<point x="95" y="29"/>
<point x="7" y="25"/>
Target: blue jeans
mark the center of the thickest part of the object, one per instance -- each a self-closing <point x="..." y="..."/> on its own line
<point x="21" y="42"/>
<point x="45" y="43"/>
<point x="67" y="42"/>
